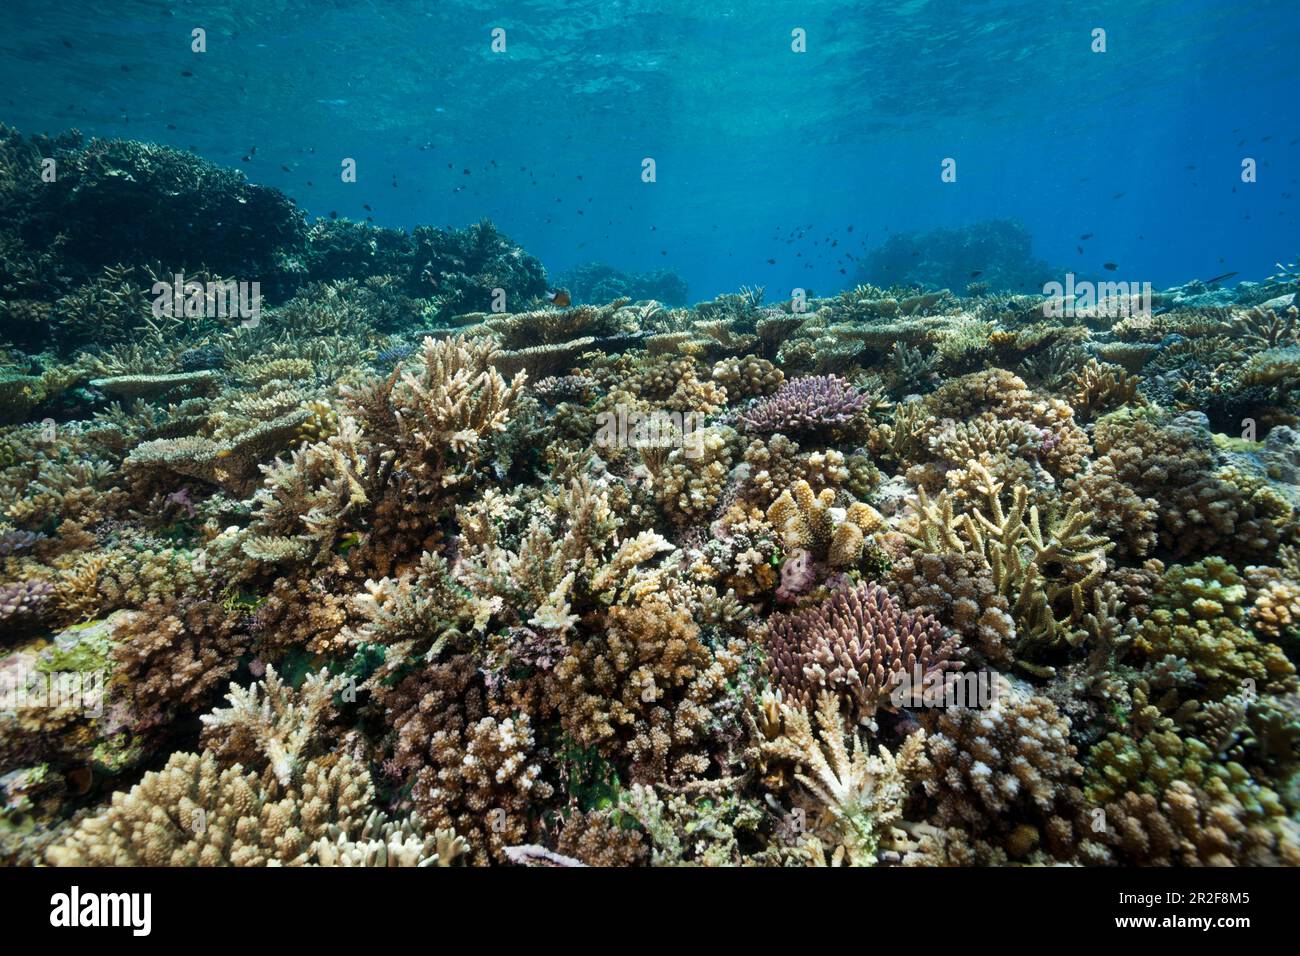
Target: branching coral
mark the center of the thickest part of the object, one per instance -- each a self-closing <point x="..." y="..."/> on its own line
<point x="811" y="404"/>
<point x="860" y="647"/>
<point x="647" y="691"/>
<point x="446" y="409"/>
<point x="194" y="813"/>
<point x="853" y="796"/>
<point x="1006" y="774"/>
<point x="270" y="723"/>
<point x="466" y="767"/>
<point x="624" y="584"/>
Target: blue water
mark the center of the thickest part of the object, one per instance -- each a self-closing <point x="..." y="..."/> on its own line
<point x="753" y="143"/>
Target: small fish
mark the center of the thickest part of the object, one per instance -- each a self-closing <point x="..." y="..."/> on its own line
<point x="1226" y="275"/>
<point x="1085" y="237"/>
<point x="771" y="262"/>
<point x="334" y="214"/>
<point x="1110" y="266"/>
<point x="977" y="273"/>
<point x="559" y="297"/>
<point x="186" y="73"/>
<point x="286" y="169"/>
<point x="1119" y="196"/>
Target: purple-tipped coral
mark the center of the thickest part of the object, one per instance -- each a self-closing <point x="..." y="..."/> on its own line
<point x="21" y="602"/>
<point x="856" y="645"/>
<point x="810" y="404"/>
<point x="15" y="542"/>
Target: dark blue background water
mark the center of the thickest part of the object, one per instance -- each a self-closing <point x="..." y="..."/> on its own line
<point x="751" y="140"/>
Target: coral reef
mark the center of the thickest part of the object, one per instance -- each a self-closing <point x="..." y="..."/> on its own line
<point x="910" y="575"/>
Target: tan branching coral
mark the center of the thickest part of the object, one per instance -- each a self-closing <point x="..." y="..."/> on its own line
<point x="469" y="768"/>
<point x="692" y="479"/>
<point x="1097" y="388"/>
<point x="387" y="844"/>
<point x="449" y="406"/>
<point x="171" y="657"/>
<point x="853" y="797"/>
<point x="958" y="589"/>
<point x="748" y="377"/>
<point x="194" y="813"/>
<point x="1006" y="774"/>
<point x="1037" y="566"/>
<point x="270" y="724"/>
<point x="646" y="690"/>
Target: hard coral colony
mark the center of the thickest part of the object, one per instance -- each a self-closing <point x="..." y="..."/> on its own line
<point x="934" y="581"/>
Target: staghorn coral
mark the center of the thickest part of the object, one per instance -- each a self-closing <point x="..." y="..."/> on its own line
<point x="1043" y="569"/>
<point x="1096" y="389"/>
<point x="445" y="409"/>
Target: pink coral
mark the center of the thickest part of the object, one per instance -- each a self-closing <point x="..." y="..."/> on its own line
<point x="857" y="645"/>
